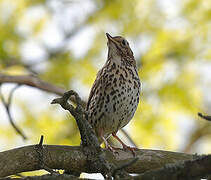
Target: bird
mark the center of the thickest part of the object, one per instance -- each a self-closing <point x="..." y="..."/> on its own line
<point x="114" y="96"/>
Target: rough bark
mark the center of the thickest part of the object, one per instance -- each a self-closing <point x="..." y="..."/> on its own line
<point x="187" y="170"/>
<point x="72" y="158"/>
<point x="46" y="177"/>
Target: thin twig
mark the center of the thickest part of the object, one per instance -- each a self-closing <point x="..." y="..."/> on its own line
<point x="41" y="140"/>
<point x="34" y="81"/>
<point x="208" y="118"/>
<point x="39" y="150"/>
<point x="7" y="106"/>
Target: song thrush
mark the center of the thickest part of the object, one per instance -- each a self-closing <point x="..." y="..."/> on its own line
<point x="114" y="96"/>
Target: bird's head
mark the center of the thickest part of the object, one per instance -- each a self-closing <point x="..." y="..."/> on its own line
<point x="118" y="46"/>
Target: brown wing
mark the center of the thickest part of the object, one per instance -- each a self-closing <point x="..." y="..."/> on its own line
<point x="94" y="87"/>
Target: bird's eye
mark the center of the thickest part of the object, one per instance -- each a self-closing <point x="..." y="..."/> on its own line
<point x="124" y="42"/>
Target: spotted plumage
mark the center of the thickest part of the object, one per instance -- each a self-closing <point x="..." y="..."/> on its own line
<point x="114" y="96"/>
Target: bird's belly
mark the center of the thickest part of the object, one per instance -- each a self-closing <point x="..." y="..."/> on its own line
<point x="120" y="109"/>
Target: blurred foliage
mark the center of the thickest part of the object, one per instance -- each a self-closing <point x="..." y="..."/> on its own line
<point x="169" y="45"/>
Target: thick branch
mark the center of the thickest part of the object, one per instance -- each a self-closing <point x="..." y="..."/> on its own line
<point x="190" y="169"/>
<point x="46" y="177"/>
<point x="73" y="159"/>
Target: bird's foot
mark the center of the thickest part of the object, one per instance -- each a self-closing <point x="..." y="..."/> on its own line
<point x="109" y="147"/>
<point x="132" y="149"/>
<point x="112" y="149"/>
<point x="125" y="147"/>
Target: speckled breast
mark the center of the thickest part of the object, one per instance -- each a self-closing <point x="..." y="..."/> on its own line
<point x="122" y="98"/>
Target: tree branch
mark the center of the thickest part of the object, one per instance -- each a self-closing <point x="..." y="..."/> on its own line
<point x="88" y="136"/>
<point x="190" y="169"/>
<point x="73" y="159"/>
<point x="7" y="108"/>
<point x="46" y="177"/>
<point x="34" y="81"/>
<point x="208" y="118"/>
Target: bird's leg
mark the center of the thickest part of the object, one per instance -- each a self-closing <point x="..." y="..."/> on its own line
<point x="132" y="149"/>
<point x="107" y="145"/>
